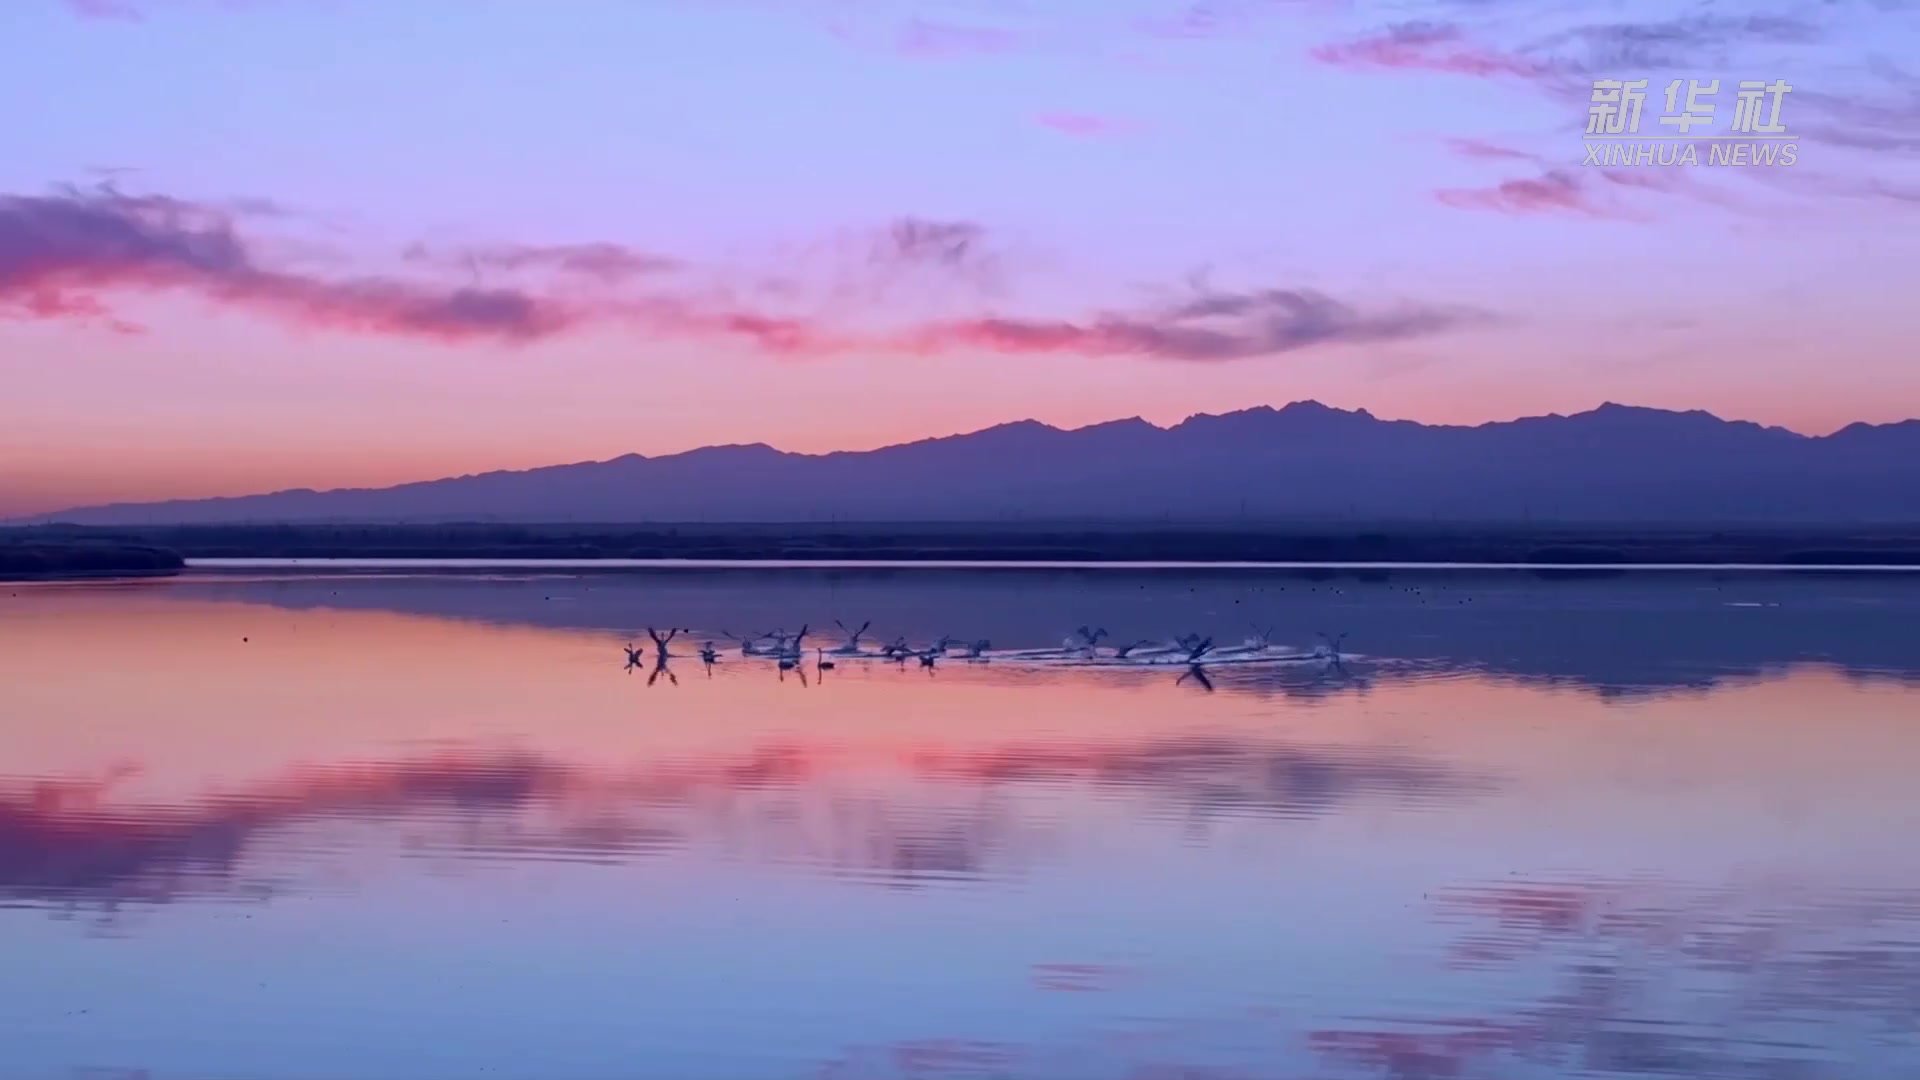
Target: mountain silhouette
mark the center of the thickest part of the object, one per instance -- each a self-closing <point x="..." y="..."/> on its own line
<point x="1305" y="462"/>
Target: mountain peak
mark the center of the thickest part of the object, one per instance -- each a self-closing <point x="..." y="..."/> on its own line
<point x="1131" y="423"/>
<point x="1311" y="409"/>
<point x="1615" y="411"/>
<point x="1016" y="430"/>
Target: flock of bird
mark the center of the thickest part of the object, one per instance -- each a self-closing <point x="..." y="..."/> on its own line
<point x="788" y="650"/>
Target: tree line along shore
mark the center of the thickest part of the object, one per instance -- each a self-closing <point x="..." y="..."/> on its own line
<point x="82" y="550"/>
<point x="32" y="560"/>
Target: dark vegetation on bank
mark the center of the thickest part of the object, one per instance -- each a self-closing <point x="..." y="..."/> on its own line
<point x="1080" y="542"/>
<point x="31" y="557"/>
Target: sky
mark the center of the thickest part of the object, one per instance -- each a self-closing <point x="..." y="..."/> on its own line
<point x="248" y="245"/>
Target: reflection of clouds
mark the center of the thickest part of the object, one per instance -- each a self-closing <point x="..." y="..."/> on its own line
<point x="894" y="842"/>
<point x="957" y="817"/>
<point x="1655" y="980"/>
<point x="1223" y="774"/>
<point x="1642" y="979"/>
<point x="1419" y="1053"/>
<point x="1076" y="978"/>
<point x="924" y="1058"/>
<point x="63" y="840"/>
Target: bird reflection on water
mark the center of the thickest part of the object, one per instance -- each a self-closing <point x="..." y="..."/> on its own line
<point x="636" y="661"/>
<point x="1193" y="652"/>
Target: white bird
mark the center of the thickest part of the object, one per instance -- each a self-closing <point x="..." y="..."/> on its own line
<point x="1258" y="643"/>
<point x="852" y="647"/>
<point x="1332" y="648"/>
<point x="790" y="647"/>
<point x="749" y="646"/>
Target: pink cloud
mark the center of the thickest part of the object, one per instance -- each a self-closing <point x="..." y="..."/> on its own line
<point x="922" y="241"/>
<point x="1483" y="150"/>
<point x="604" y="261"/>
<point x="1080" y="125"/>
<point x="1426" y="47"/>
<point x="939" y="40"/>
<point x="775" y="334"/>
<point x="1557" y="191"/>
<point x="58" y="253"/>
<point x="1216" y="19"/>
<point x="1212" y="326"/>
<point x="1576" y="191"/>
<point x="105" y="9"/>
<point x="63" y="255"/>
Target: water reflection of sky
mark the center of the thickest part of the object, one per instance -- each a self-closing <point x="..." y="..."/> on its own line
<point x="373" y="841"/>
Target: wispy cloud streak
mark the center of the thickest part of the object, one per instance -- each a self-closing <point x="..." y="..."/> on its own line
<point x="1426" y="46"/>
<point x="117" y="10"/>
<point x="603" y="261"/>
<point x="1561" y="189"/>
<point x="1555" y="191"/>
<point x="58" y="253"/>
<point x="1212" y="326"/>
<point x="1080" y="125"/>
<point x="921" y="241"/>
<point x="63" y="255"/>
<point x="932" y="39"/>
<point x="1622" y="46"/>
<point x="1484" y="150"/>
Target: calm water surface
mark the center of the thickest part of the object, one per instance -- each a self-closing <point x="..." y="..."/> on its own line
<point x="327" y="826"/>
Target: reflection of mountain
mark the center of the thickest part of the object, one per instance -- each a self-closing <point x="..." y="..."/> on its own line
<point x="70" y="842"/>
<point x="1629" y="634"/>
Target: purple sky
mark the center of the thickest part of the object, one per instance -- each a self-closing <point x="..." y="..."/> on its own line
<point x="257" y="244"/>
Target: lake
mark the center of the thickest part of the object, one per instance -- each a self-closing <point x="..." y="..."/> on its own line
<point x="320" y="825"/>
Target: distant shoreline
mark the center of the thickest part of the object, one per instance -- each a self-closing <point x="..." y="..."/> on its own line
<point x="1385" y="544"/>
<point x="14" y="578"/>
<point x="78" y="561"/>
<point x="454" y="566"/>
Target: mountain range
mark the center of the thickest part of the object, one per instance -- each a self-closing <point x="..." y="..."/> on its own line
<point x="1305" y="462"/>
